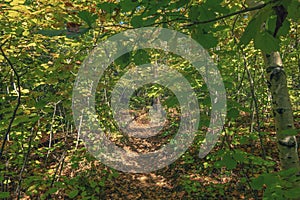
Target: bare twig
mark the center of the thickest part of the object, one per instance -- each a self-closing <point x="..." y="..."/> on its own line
<point x="78" y="133"/>
<point x="51" y="128"/>
<point x="231" y="14"/>
<point x="18" y="100"/>
<point x="254" y="99"/>
<point x="58" y="167"/>
<point x="189" y="23"/>
<point x="33" y="133"/>
<point x="58" y="170"/>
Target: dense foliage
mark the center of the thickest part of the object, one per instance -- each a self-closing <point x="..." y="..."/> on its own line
<point x="43" y="44"/>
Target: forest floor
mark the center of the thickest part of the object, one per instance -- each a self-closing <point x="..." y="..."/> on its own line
<point x="192" y="178"/>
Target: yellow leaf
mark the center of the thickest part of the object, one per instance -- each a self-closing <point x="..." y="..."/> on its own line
<point x="45" y="65"/>
<point x="17" y="2"/>
<point x="26" y="33"/>
<point x="39" y="83"/>
<point x="31" y="44"/>
<point x="25" y="91"/>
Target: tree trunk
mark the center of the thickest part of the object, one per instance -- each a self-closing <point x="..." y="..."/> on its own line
<point x="281" y="105"/>
<point x="282" y="110"/>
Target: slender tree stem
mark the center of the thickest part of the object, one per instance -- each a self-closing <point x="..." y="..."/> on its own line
<point x="18" y="100"/>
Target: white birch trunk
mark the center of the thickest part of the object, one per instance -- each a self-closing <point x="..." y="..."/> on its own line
<point x="282" y="110"/>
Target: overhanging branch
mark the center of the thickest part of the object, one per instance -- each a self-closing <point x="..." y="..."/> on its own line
<point x="231" y="14"/>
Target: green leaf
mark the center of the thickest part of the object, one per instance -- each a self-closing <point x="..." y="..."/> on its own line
<point x="60" y="184"/>
<point x="178" y="4"/>
<point x="115" y="174"/>
<point x="4" y="195"/>
<point x="294" y="10"/>
<point x="107" y="6"/>
<point x="40" y="104"/>
<point x="52" y="33"/>
<point x="150" y="21"/>
<point x="271" y="179"/>
<point x="75" y="35"/>
<point x="160" y="4"/>
<point x="290" y="132"/>
<point x="266" y="42"/>
<point x="128" y="5"/>
<point x="102" y="182"/>
<point x="73" y="193"/>
<point x="52" y="190"/>
<point x="171" y="101"/>
<point x="229" y="162"/>
<point x="254" y="26"/>
<point x="239" y="156"/>
<point x="137" y="21"/>
<point x="93" y="184"/>
<point x="292" y="193"/>
<point x="288" y="172"/>
<point x="88" y="17"/>
<point x="141" y="57"/>
<point x="265" y="179"/>
<point x="194" y="13"/>
<point x="216" y="6"/>
<point x="257" y="183"/>
<point x="207" y="40"/>
<point x="28" y="2"/>
<point x="284" y="29"/>
<point x="233" y="113"/>
<point x="152" y="10"/>
<point x="206" y="13"/>
<point x="214" y="3"/>
<point x="123" y="60"/>
<point x="25" y="118"/>
<point x="249" y="32"/>
<point x="255" y="160"/>
<point x="271" y="24"/>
